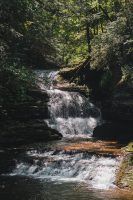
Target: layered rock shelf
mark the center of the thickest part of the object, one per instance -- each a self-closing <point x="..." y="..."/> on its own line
<point x="103" y="148"/>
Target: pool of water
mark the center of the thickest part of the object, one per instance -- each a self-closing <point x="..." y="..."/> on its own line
<point x="23" y="188"/>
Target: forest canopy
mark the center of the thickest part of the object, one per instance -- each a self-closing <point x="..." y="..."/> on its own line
<point x="42" y="33"/>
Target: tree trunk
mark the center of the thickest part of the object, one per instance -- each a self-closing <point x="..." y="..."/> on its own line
<point x="88" y="34"/>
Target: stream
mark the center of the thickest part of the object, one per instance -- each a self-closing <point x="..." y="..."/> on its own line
<point x="70" y="169"/>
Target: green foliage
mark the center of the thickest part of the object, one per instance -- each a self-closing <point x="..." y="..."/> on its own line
<point x="106" y="46"/>
<point x="71" y="21"/>
<point x="112" y="49"/>
<point x="34" y="32"/>
<point x="26" y="27"/>
<point x="25" y="41"/>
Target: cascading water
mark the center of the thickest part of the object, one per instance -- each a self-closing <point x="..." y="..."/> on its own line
<point x="97" y="172"/>
<point x="73" y="115"/>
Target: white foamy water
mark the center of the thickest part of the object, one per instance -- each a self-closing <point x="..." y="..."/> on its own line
<point x="72" y="114"/>
<point x="96" y="172"/>
<point x="74" y="127"/>
<point x="45" y="78"/>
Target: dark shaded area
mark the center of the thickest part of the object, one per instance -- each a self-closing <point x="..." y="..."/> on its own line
<point x="118" y="130"/>
<point x="26" y="133"/>
<point x="41" y="190"/>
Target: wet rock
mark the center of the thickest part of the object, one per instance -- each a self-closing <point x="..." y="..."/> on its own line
<point x="73" y="88"/>
<point x="104" y="148"/>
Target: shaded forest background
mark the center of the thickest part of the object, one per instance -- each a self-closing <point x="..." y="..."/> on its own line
<point x="84" y="35"/>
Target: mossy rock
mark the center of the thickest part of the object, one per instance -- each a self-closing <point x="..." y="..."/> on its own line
<point x="124" y="178"/>
<point x="130" y="147"/>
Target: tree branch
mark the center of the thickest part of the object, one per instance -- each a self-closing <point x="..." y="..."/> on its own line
<point x="105" y="12"/>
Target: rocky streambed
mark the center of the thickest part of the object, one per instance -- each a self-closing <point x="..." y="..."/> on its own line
<point x="85" y="163"/>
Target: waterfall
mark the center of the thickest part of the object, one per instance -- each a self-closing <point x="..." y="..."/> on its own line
<point x="70" y="112"/>
<point x="73" y="115"/>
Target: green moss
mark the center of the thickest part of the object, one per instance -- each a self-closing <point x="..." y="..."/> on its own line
<point x="130" y="147"/>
